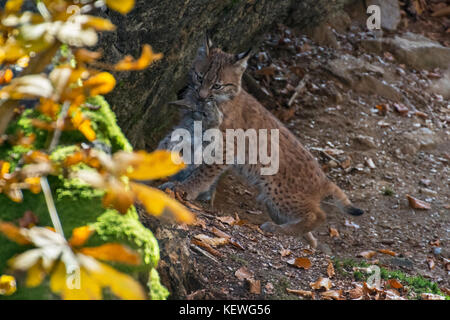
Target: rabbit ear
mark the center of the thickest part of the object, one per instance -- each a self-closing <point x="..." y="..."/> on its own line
<point x="183" y="103"/>
<point x="242" y="58"/>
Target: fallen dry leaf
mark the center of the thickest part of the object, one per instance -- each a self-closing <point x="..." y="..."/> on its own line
<point x="243" y="274"/>
<point x="430" y="262"/>
<point x="435" y="243"/>
<point x="421" y="114"/>
<point x="392" y="294"/>
<point x="206" y="246"/>
<point x="334" y="233"/>
<point x="303" y="293"/>
<point x="367" y="254"/>
<point x="386" y="251"/>
<point x="394" y="283"/>
<point x="227" y="219"/>
<point x="255" y="286"/>
<point x="285" y="252"/>
<point x="199" y="223"/>
<point x="431" y="296"/>
<point x="219" y="233"/>
<point x="417" y="204"/>
<point x="303" y="263"/>
<point x="330" y="270"/>
<point x="332" y="295"/>
<point x="401" y="108"/>
<point x="321" y="283"/>
<point x="28" y="220"/>
<point x="356" y="293"/>
<point x="346" y="163"/>
<point x="215" y="242"/>
<point x="383" y="109"/>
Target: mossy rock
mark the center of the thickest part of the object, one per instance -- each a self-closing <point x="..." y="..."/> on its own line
<point x="79" y="205"/>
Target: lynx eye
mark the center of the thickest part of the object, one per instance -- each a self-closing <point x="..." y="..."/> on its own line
<point x="199" y="76"/>
<point x="217" y="86"/>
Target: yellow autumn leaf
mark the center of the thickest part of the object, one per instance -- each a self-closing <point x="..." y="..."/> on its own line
<point x="88" y="288"/>
<point x="155" y="201"/>
<point x="13" y="6"/>
<point x="114" y="252"/>
<point x="13" y="233"/>
<point x="80" y="235"/>
<point x="34" y="184"/>
<point x="7" y="285"/>
<point x="86" y="129"/>
<point x="120" y="284"/>
<point x="155" y="165"/>
<point x="147" y="57"/>
<point x="49" y="108"/>
<point x="35" y="275"/>
<point x="122" y="6"/>
<point x="99" y="24"/>
<point x="101" y="83"/>
<point x="93" y="277"/>
<point x="118" y="197"/>
<point x="11" y="51"/>
<point x="4" y="168"/>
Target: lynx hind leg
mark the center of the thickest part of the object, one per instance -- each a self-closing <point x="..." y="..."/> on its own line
<point x="302" y="227"/>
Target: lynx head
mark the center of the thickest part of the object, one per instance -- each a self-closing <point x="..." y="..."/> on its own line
<point x="216" y="75"/>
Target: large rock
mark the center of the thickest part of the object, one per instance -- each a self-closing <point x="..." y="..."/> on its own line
<point x="176" y="28"/>
<point x="355" y="73"/>
<point x="413" y="50"/>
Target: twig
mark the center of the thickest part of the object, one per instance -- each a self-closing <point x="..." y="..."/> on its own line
<point x="59" y="126"/>
<point x="299" y="87"/>
<point x="206" y="254"/>
<point x="51" y="205"/>
<point x="326" y="154"/>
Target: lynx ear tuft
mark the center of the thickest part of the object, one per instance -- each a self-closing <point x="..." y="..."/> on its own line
<point x="183" y="103"/>
<point x="242" y="58"/>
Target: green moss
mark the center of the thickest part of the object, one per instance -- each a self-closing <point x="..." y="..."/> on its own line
<point x="105" y="123"/>
<point x="416" y="284"/>
<point x="78" y="204"/>
<point x="157" y="291"/>
<point x="388" y="192"/>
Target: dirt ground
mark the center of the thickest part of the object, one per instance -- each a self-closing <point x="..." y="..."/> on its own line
<point x="375" y="154"/>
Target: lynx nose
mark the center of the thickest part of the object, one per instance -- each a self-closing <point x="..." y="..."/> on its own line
<point x="204" y="93"/>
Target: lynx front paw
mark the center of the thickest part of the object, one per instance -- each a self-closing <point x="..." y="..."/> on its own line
<point x="269" y="226"/>
<point x="177" y="188"/>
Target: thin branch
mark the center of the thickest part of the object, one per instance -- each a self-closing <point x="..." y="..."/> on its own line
<point x="51" y="206"/>
<point x="59" y="126"/>
<point x="299" y="88"/>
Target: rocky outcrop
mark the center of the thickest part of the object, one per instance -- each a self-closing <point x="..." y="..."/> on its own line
<point x="413" y="50"/>
<point x="175" y="28"/>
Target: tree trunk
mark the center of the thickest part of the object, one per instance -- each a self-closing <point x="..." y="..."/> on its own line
<point x="176" y="28"/>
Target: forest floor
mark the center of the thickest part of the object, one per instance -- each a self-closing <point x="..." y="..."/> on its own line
<point x="380" y="134"/>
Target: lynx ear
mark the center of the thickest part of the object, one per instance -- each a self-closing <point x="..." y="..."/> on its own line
<point x="207" y="44"/>
<point x="242" y="58"/>
<point x="205" y="49"/>
<point x="185" y="103"/>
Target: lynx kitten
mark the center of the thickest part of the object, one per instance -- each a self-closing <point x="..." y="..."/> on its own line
<point x="293" y="195"/>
